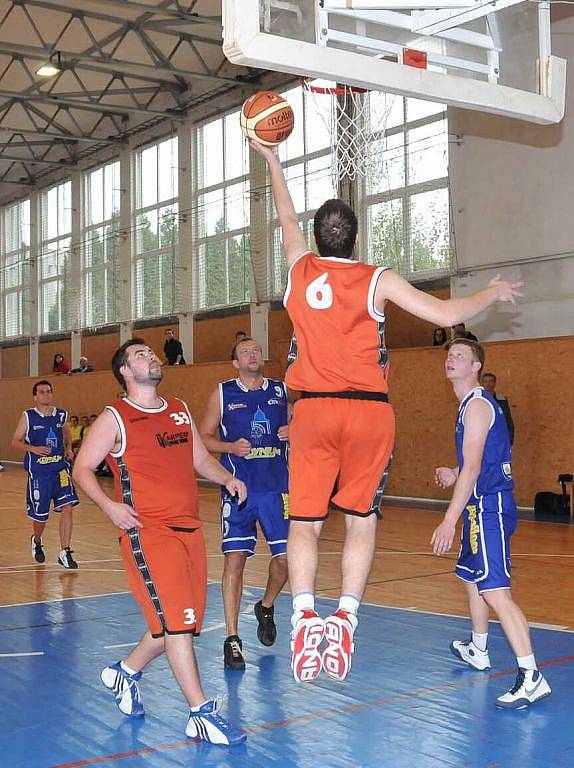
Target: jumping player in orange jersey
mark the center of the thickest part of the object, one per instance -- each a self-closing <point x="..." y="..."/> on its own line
<point x="343" y="427"/>
<point x="153" y="448"/>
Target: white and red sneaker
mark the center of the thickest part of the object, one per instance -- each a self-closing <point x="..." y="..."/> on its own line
<point x="339" y="630"/>
<point x="306" y="636"/>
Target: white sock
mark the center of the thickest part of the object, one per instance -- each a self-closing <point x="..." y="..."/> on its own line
<point x="304" y="601"/>
<point x="127" y="669"/>
<point x="349" y="603"/>
<point x="527" y="662"/>
<point x="480" y="640"/>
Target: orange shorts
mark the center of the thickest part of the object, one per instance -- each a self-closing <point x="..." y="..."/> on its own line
<point x="340" y="451"/>
<point x="167" y="572"/>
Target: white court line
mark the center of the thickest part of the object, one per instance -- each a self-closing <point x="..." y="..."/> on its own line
<point x="34" y="566"/>
<point x="61" y="599"/>
<point x="554" y="627"/>
<point x="203" y="632"/>
<point x="12" y="655"/>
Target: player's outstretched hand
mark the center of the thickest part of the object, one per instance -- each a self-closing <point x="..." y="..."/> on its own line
<point x="445" y="476"/>
<point x="122" y="515"/>
<point x="506" y="291"/>
<point x="443" y="537"/>
<point x="265" y="152"/>
<point x="237" y="488"/>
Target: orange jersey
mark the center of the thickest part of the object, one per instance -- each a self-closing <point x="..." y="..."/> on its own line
<point x="153" y="467"/>
<point x="338" y="332"/>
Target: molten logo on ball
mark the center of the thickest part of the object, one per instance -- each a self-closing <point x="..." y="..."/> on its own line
<point x="267" y="117"/>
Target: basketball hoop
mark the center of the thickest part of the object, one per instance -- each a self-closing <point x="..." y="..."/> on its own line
<point x="353" y="119"/>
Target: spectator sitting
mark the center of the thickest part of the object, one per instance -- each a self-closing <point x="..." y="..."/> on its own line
<point x="459" y="332"/>
<point x="60" y="365"/>
<point x="488" y="381"/>
<point x="85" y="367"/>
<point x="173" y="349"/>
<point x="84" y="427"/>
<point x="76" y="432"/>
<point x="439" y="337"/>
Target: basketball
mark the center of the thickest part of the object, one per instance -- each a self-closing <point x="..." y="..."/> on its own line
<point x="266" y="117"/>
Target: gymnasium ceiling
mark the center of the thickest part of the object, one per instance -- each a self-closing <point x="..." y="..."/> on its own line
<point x="127" y="65"/>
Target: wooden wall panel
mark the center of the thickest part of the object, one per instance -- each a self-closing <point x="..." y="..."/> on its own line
<point x="214" y="338"/>
<point x="535" y="375"/>
<point x="15" y="362"/>
<point x="88" y="393"/>
<point x="99" y="349"/>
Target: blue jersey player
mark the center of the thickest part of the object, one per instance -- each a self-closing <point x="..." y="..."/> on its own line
<point x="246" y="421"/>
<point x="44" y="434"/>
<point x="483" y="495"/>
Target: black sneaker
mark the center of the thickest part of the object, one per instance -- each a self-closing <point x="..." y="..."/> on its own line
<point x="37" y="550"/>
<point x="65" y="558"/>
<point x="266" y="629"/>
<point x="232" y="653"/>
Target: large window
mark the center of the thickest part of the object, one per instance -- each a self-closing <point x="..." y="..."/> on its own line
<point x="16" y="268"/>
<point x="222" y="214"/>
<point x="405" y="195"/>
<point x="156" y="229"/>
<point x="101" y="245"/>
<point x="55" y="257"/>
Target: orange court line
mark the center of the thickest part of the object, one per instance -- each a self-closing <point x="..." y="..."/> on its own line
<point x="321" y="715"/>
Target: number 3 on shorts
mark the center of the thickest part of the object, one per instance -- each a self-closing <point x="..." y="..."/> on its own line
<point x="319" y="293"/>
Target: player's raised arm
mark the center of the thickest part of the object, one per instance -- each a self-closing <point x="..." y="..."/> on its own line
<point x="443" y="312"/>
<point x="293" y="241"/>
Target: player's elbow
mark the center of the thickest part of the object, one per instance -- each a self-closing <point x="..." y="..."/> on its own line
<point x="472" y="468"/>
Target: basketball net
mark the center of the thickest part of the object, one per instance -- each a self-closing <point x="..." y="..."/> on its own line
<point x="354" y="118"/>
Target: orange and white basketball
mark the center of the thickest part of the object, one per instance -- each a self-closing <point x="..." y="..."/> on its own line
<point x="267" y="117"/>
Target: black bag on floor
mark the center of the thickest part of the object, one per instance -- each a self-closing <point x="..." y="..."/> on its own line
<point x="548" y="503"/>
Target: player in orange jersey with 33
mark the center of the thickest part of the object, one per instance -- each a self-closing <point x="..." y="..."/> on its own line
<point x="342" y="432"/>
<point x="153" y="449"/>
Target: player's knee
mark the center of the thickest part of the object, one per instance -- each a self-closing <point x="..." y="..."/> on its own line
<point x="235" y="561"/>
<point x="497" y="599"/>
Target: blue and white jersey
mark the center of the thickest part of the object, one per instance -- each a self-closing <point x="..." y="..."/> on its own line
<point x="45" y="430"/>
<point x="496" y="468"/>
<point x="256" y="415"/>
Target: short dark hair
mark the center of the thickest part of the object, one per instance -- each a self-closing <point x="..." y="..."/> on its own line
<point x="492" y="376"/>
<point x="119" y="358"/>
<point x="477" y="350"/>
<point x="167" y="330"/>
<point x="237" y="343"/>
<point x="41" y="384"/>
<point x="335" y="228"/>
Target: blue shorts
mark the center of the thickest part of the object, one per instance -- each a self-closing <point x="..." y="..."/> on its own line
<point x="239" y="522"/>
<point x="488" y="523"/>
<point x="42" y="490"/>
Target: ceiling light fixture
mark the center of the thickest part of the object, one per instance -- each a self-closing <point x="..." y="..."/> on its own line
<point x="51" y="67"/>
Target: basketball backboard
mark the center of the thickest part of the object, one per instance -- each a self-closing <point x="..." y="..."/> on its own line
<point x="488" y="55"/>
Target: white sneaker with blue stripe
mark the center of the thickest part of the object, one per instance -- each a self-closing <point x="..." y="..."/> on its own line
<point x="529" y="687"/>
<point x="204" y="723"/>
<point x="125" y="688"/>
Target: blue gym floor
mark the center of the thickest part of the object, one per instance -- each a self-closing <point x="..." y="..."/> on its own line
<point x="407" y="703"/>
